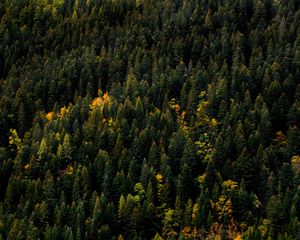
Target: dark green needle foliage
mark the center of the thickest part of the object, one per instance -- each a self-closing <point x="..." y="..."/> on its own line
<point x="149" y="119"/>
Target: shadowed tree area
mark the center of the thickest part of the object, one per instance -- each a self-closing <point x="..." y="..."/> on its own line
<point x="147" y="119"/>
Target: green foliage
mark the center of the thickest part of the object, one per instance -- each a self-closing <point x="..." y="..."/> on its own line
<point x="169" y="225"/>
<point x="149" y="119"/>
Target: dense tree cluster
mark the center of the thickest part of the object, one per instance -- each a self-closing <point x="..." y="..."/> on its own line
<point x="149" y="119"/>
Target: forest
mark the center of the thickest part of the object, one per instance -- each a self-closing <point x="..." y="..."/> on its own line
<point x="150" y="119"/>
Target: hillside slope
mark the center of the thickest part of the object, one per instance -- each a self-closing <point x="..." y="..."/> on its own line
<point x="147" y="119"/>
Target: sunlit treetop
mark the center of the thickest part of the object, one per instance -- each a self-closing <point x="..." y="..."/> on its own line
<point x="14" y="139"/>
<point x="49" y="116"/>
<point x="101" y="101"/>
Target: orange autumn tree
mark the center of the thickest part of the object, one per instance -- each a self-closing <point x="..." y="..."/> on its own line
<point x="101" y="100"/>
<point x="49" y="116"/>
<point x="62" y="112"/>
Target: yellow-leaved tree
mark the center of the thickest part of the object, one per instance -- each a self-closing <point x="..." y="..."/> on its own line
<point x="224" y="210"/>
<point x="14" y="139"/>
<point x="181" y="115"/>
